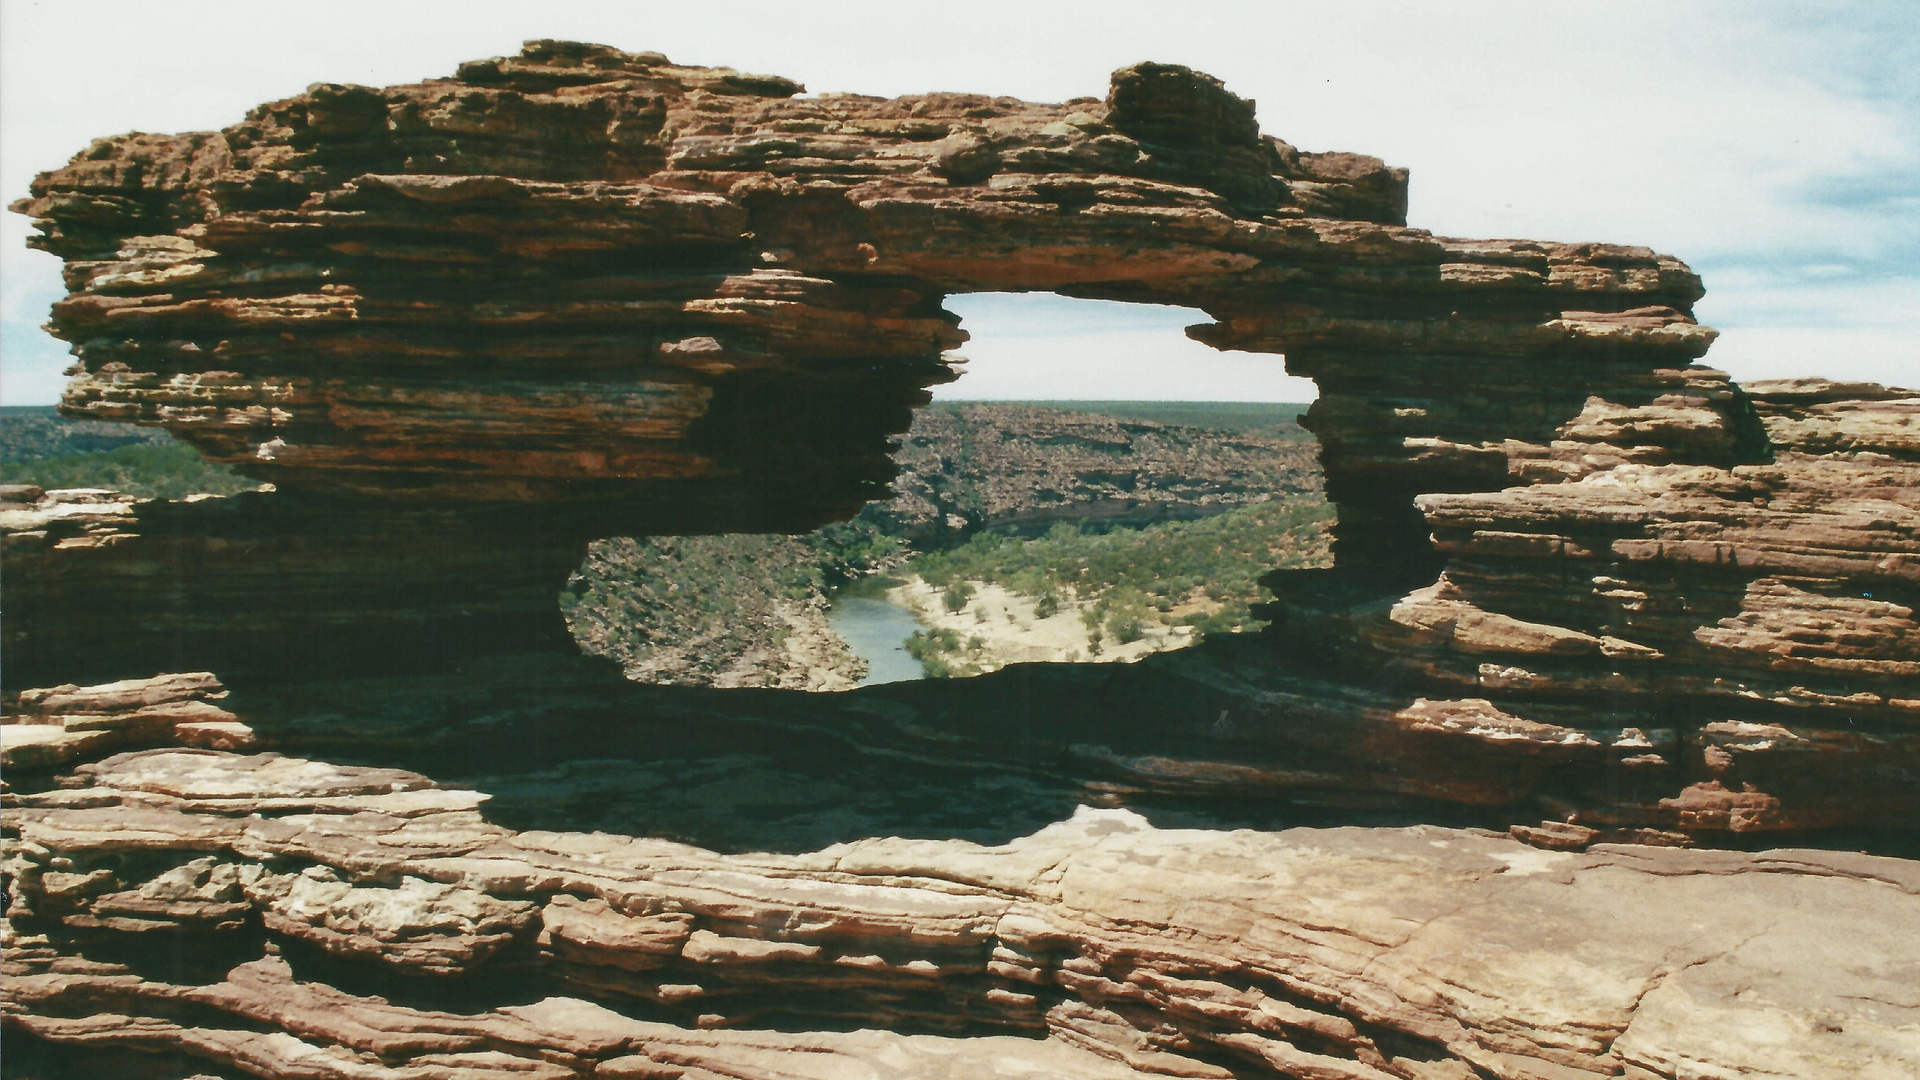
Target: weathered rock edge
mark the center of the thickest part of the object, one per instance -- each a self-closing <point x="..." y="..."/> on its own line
<point x="1362" y="953"/>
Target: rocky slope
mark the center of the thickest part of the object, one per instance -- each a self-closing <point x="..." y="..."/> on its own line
<point x="710" y="611"/>
<point x="969" y="466"/>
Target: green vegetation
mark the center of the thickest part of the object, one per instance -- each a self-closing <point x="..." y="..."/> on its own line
<point x="690" y="608"/>
<point x="1270" y="419"/>
<point x="33" y="432"/>
<point x="941" y="654"/>
<point x="849" y="551"/>
<point x="1134" y="577"/>
<point x="168" y="471"/>
<point x="39" y="446"/>
<point x="694" y="608"/>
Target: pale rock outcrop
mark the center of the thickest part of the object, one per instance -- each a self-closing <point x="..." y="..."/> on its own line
<point x="1413" y="953"/>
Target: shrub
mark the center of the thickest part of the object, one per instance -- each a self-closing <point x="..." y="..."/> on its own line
<point x="924" y="645"/>
<point x="958" y="594"/>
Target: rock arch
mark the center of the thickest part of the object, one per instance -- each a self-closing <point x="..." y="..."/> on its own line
<point x="621" y="295"/>
<point x="465" y="325"/>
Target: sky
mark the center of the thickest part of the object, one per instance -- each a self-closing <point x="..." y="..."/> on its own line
<point x="1773" y="146"/>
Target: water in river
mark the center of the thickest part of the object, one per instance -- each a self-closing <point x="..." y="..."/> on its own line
<point x="876" y="631"/>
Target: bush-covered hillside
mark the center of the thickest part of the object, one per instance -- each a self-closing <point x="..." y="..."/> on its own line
<point x="40" y="447"/>
<point x="1134" y="576"/>
<point x="738" y="610"/>
<point x="1270" y="419"/>
<point x="968" y="466"/>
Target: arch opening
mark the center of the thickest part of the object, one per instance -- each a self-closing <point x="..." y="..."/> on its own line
<point x="1094" y="486"/>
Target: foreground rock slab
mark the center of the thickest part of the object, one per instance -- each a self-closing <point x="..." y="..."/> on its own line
<point x="1363" y="953"/>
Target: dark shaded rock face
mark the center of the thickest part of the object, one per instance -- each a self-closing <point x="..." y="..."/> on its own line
<point x="468" y="325"/>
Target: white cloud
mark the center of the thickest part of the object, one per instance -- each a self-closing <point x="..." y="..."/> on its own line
<point x="1736" y="136"/>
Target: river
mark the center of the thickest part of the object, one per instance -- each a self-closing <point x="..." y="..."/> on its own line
<point x="876" y="631"/>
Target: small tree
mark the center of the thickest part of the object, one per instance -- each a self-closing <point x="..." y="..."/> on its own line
<point x="958" y="594"/>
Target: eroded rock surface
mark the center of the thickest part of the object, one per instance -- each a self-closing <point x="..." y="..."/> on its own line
<point x="650" y="298"/>
<point x="1416" y="953"/>
<point x="56" y="725"/>
<point x="466" y="326"/>
<point x="1736" y="647"/>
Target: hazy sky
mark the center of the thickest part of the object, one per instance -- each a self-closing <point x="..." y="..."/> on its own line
<point x="1775" y="147"/>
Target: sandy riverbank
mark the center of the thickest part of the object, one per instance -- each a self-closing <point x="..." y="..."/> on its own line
<point x="1011" y="631"/>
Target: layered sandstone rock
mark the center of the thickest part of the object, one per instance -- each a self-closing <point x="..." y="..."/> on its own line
<point x="1743" y="638"/>
<point x="1412" y="953"/>
<point x="651" y="298"/>
<point x="468" y="325"/>
<point x="583" y="292"/>
<point x="578" y="273"/>
<point x="59" y="724"/>
<point x="100" y="584"/>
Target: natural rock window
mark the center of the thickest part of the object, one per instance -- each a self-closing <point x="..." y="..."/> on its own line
<point x="316" y="781"/>
<point x="1040" y="527"/>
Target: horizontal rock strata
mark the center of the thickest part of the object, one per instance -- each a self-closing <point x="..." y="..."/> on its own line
<point x="60" y="724"/>
<point x="1412" y="953"/>
<point x="445" y="286"/>
<point x="676" y="299"/>
<point x="1692" y="690"/>
<point x="99" y="584"/>
<point x="1743" y="637"/>
<point x="465" y="326"/>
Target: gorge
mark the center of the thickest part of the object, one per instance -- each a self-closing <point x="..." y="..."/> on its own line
<point x="1551" y="774"/>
